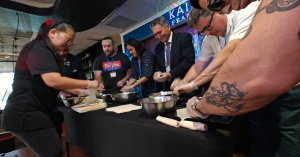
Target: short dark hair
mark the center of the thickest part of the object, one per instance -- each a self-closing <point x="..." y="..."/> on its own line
<point x="138" y="46"/>
<point x="108" y="38"/>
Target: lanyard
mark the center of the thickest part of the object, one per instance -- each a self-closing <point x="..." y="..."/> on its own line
<point x="112" y="62"/>
<point x="140" y="68"/>
<point x="167" y="55"/>
<point x="224" y="43"/>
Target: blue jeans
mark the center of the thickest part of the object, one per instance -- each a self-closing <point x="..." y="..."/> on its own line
<point x="275" y="129"/>
<point x="44" y="142"/>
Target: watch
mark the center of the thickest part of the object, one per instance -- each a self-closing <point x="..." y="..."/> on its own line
<point x="197" y="112"/>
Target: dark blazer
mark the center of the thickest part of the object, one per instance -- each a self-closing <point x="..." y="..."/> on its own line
<point x="75" y="68"/>
<point x="182" y="56"/>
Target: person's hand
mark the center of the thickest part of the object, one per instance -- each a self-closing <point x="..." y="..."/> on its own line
<point x="101" y="88"/>
<point x="176" y="83"/>
<point x="121" y="83"/>
<point x="189" y="108"/>
<point x="63" y="95"/>
<point x="126" y="89"/>
<point x="94" y="84"/>
<point x="185" y="88"/>
<point x="164" y="77"/>
<point x="156" y="75"/>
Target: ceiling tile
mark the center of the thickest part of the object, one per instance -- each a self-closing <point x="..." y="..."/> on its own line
<point x="89" y="42"/>
<point x="97" y="36"/>
<point x="75" y="52"/>
<point x="106" y="30"/>
<point x="121" y="22"/>
<point x="138" y="11"/>
<point x="81" y="47"/>
<point x="158" y="5"/>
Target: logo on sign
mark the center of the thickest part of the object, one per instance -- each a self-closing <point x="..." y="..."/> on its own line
<point x="108" y="66"/>
<point x="179" y="14"/>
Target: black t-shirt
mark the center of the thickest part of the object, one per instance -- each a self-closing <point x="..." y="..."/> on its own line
<point x="31" y="103"/>
<point x="121" y="63"/>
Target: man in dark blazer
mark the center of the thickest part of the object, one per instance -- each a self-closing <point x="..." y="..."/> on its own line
<point x="175" y="53"/>
<point x="73" y="69"/>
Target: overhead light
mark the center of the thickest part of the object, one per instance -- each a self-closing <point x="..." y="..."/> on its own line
<point x="7" y="57"/>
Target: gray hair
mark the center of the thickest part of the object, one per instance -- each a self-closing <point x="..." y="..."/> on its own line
<point x="162" y="21"/>
<point x="63" y="27"/>
<point x="194" y="15"/>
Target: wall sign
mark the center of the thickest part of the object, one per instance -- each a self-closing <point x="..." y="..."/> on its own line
<point x="178" y="14"/>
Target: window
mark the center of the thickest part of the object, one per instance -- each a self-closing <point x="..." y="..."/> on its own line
<point x="6" y="80"/>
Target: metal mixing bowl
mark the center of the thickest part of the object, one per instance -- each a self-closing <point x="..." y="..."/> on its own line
<point x="69" y="102"/>
<point x="125" y="97"/>
<point x="105" y="97"/>
<point x="162" y="93"/>
<point x="160" y="105"/>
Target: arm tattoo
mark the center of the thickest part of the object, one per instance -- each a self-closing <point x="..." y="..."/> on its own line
<point x="278" y="5"/>
<point x="248" y="32"/>
<point x="228" y="97"/>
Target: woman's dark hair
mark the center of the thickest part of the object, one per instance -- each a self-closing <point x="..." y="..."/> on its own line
<point x="60" y="26"/>
<point x="138" y="46"/>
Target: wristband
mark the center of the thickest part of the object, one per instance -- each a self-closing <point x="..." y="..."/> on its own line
<point x="194" y="84"/>
<point x="132" y="87"/>
<point x="197" y="112"/>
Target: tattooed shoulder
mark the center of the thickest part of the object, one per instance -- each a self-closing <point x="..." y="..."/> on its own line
<point x="248" y="32"/>
<point x="228" y="96"/>
<point x="279" y="5"/>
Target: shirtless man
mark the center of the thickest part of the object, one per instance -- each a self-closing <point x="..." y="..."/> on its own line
<point x="262" y="68"/>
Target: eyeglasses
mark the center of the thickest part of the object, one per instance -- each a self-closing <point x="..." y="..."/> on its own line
<point x="216" y="6"/>
<point x="68" y="41"/>
<point x="208" y="27"/>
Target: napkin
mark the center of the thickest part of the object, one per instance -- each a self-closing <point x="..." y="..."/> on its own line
<point x="186" y="124"/>
<point x="123" y="108"/>
<point x="168" y="121"/>
<point x="88" y="107"/>
<point x="182" y="113"/>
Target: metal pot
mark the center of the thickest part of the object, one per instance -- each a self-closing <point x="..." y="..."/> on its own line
<point x="106" y="97"/>
<point x="69" y="102"/>
<point x="160" y="105"/>
<point x="162" y="93"/>
<point x="125" y="97"/>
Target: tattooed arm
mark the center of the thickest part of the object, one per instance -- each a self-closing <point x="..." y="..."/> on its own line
<point x="264" y="65"/>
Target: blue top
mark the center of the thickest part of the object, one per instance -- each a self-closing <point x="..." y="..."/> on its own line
<point x="146" y="69"/>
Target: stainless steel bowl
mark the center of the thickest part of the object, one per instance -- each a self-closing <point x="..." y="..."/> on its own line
<point x="162" y="93"/>
<point x="160" y="105"/>
<point x="125" y="97"/>
<point x="105" y="97"/>
<point x="69" y="102"/>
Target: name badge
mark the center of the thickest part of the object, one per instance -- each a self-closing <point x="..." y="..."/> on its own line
<point x="113" y="74"/>
<point x="168" y="69"/>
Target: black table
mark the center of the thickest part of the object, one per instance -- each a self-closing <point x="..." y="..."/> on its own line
<point x="135" y="134"/>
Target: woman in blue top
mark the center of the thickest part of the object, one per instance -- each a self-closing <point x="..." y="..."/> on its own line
<point x="142" y="67"/>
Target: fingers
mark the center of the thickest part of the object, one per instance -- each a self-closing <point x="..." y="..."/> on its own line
<point x="176" y="91"/>
<point x="175" y="83"/>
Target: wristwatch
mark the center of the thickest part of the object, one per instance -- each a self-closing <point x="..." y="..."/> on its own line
<point x="197" y="112"/>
